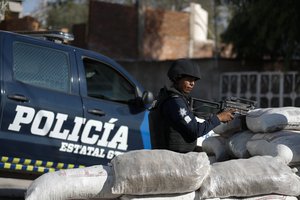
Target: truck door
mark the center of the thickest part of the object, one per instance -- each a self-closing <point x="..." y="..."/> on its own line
<point x="41" y="100"/>
<point x="115" y="121"/>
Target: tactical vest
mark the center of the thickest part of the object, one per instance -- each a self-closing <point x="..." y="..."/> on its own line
<point x="162" y="135"/>
<point x="158" y="126"/>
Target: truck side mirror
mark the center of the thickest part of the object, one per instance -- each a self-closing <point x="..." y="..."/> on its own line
<point x="147" y="99"/>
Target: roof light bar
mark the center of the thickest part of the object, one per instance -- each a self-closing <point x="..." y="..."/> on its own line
<point x="55" y="36"/>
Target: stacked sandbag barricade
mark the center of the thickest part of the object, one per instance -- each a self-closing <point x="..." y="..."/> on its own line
<point x="253" y="157"/>
<point x="81" y="183"/>
<point x="262" y="133"/>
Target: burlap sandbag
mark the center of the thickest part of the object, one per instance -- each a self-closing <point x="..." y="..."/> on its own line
<point x="296" y="168"/>
<point x="261" y="197"/>
<point x="80" y="183"/>
<point x="284" y="144"/>
<point x="268" y="120"/>
<point x="185" y="196"/>
<point x="216" y="146"/>
<point x="144" y="172"/>
<point x="255" y="176"/>
<point x="228" y="129"/>
<point x="237" y="144"/>
<point x="195" y="196"/>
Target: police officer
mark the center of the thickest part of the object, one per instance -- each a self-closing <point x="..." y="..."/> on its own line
<point x="173" y="125"/>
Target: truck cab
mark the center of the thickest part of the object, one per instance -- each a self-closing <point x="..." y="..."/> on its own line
<point x="65" y="107"/>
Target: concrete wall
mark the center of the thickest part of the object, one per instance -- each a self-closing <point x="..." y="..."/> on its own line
<point x="153" y="74"/>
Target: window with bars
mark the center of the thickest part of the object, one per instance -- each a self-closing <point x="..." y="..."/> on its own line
<point x="41" y="66"/>
<point x="269" y="89"/>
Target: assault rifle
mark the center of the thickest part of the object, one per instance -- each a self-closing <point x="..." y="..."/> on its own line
<point x="203" y="108"/>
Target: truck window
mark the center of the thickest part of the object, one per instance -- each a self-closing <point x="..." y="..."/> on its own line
<point x="41" y="66"/>
<point x="106" y="83"/>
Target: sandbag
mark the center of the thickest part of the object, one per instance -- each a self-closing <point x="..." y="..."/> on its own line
<point x="273" y="119"/>
<point x="237" y="144"/>
<point x="261" y="197"/>
<point x="296" y="169"/>
<point x="258" y="175"/>
<point x="284" y="144"/>
<point x="186" y="196"/>
<point x="216" y="146"/>
<point x="228" y="129"/>
<point x="271" y="197"/>
<point x="80" y="183"/>
<point x="143" y="172"/>
<point x="195" y="196"/>
<point x="212" y="159"/>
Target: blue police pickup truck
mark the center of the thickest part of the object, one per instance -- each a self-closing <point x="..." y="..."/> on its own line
<point x="65" y="107"/>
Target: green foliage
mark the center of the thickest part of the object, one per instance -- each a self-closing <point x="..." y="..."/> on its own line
<point x="265" y="29"/>
<point x="63" y="14"/>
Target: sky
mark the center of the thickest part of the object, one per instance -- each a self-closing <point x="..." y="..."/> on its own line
<point x="29" y="6"/>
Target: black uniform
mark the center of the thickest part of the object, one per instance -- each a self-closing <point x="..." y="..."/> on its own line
<point x="173" y="126"/>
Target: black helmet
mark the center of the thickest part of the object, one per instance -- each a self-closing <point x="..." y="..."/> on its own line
<point x="183" y="67"/>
